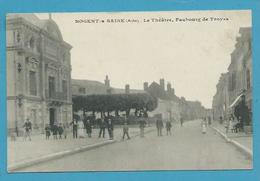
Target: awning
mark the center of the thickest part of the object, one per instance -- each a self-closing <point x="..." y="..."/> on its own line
<point x="235" y="101"/>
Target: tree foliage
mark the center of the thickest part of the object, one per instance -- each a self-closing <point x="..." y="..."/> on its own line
<point x="114" y="102"/>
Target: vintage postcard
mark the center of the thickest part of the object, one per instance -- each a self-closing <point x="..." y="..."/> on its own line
<point x="129" y="91"/>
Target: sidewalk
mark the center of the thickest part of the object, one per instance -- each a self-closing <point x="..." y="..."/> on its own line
<point x="22" y="152"/>
<point x="241" y="140"/>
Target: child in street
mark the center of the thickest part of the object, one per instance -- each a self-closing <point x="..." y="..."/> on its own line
<point x="125" y="131"/>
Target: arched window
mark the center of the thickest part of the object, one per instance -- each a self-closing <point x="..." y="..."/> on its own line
<point x="248" y="79"/>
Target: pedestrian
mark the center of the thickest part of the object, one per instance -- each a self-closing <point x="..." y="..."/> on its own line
<point x="142" y="125"/>
<point x="102" y="127"/>
<point x="47" y="131"/>
<point x="81" y="130"/>
<point x="65" y="129"/>
<point x="125" y="131"/>
<point x="55" y="131"/>
<point x="74" y="124"/>
<point x="231" y="124"/>
<point x="27" y="129"/>
<point x="204" y="127"/>
<point x="60" y="130"/>
<point x="220" y="120"/>
<point x="227" y="125"/>
<point x="209" y="120"/>
<point x="181" y="121"/>
<point x="110" y="128"/>
<point x="159" y="126"/>
<point x="168" y="127"/>
<point x="88" y="128"/>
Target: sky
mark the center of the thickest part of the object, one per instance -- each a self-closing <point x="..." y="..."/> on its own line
<point x="191" y="55"/>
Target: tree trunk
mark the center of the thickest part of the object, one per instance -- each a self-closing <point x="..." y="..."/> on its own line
<point x="116" y="113"/>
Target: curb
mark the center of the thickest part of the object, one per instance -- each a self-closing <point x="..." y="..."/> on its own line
<point x="242" y="148"/>
<point x="45" y="158"/>
<point x="61" y="154"/>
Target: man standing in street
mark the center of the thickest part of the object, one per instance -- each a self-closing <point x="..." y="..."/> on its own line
<point x="75" y="128"/>
<point x="142" y="124"/>
<point x="27" y="129"/>
<point x="88" y="127"/>
<point x="110" y="128"/>
<point x="168" y="127"/>
<point x="125" y="130"/>
<point x="181" y="120"/>
<point x="159" y="126"/>
<point x="102" y="127"/>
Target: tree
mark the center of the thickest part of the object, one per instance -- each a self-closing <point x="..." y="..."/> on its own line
<point x="107" y="103"/>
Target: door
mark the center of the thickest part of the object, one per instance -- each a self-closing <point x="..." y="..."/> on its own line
<point x="52" y="116"/>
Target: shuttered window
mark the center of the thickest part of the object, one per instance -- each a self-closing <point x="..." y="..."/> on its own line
<point x="33" y="83"/>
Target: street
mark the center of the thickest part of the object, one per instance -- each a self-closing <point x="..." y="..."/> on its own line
<point x="186" y="149"/>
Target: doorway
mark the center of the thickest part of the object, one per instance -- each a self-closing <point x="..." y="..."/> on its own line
<point x="52" y="116"/>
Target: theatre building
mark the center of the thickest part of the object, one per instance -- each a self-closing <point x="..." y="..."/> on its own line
<point x="38" y="73"/>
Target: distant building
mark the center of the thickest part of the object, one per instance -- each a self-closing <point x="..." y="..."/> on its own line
<point x="87" y="87"/>
<point x="91" y="87"/>
<point x="38" y="73"/>
<point x="171" y="106"/>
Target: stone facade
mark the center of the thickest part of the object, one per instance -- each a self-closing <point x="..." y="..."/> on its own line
<point x="38" y="73"/>
<point x="238" y="80"/>
<point x="221" y="98"/>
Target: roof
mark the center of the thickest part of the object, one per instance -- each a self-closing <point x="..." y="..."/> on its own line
<point x="48" y="25"/>
<point x="96" y="87"/>
<point x="91" y="86"/>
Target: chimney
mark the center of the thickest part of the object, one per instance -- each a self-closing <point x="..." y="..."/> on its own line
<point x="145" y="86"/>
<point x="162" y="84"/>
<point x="107" y="82"/>
<point x="169" y="87"/>
<point x="127" y="88"/>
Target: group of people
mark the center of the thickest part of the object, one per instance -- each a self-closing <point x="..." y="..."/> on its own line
<point x="159" y="126"/>
<point x="106" y="124"/>
<point x="233" y="124"/>
<point x="58" y="130"/>
<point x="83" y="128"/>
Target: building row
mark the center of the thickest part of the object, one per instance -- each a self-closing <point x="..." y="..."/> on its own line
<point x="39" y="84"/>
<point x="169" y="106"/>
<point x="235" y="86"/>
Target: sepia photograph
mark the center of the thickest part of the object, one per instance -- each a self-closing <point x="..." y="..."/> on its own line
<point x="129" y="91"/>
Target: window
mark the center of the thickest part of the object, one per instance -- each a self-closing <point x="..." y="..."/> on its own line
<point x="232" y="81"/>
<point x="82" y="90"/>
<point x="33" y="83"/>
<point x="64" y="88"/>
<point x="51" y="87"/>
<point x="248" y="79"/>
<point x="34" y="118"/>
